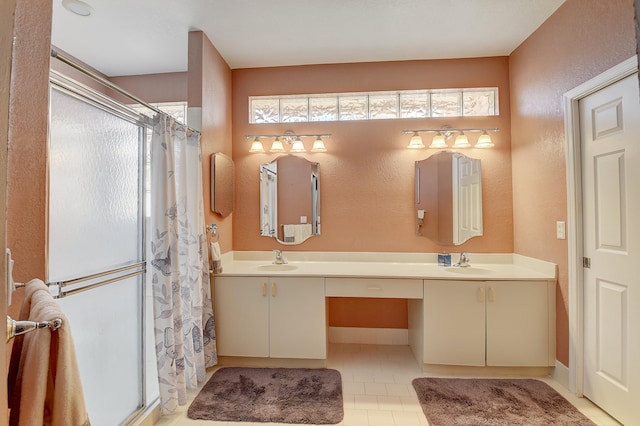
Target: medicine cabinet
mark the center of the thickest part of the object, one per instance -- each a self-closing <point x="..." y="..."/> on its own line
<point x="222" y="184"/>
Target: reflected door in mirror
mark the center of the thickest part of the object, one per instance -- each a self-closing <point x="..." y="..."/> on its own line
<point x="448" y="207"/>
<point x="290" y="199"/>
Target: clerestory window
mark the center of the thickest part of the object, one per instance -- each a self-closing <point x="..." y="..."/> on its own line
<point x="470" y="102"/>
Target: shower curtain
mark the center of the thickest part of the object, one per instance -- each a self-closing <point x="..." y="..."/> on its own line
<point x="183" y="312"/>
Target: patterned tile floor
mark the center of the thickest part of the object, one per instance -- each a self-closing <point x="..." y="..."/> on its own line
<point x="377" y="390"/>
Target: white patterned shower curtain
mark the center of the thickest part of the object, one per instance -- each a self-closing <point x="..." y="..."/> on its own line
<point x="183" y="312"/>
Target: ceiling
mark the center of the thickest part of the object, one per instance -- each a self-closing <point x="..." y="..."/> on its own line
<point x="129" y="37"/>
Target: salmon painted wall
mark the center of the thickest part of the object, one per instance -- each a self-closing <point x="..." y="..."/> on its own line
<point x="209" y="88"/>
<point x="367" y="175"/>
<point x="7" y="13"/>
<point x="580" y="40"/>
<point x="155" y="88"/>
<point x="26" y="157"/>
<point x="27" y="183"/>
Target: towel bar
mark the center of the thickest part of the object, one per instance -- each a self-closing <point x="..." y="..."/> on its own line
<point x="16" y="328"/>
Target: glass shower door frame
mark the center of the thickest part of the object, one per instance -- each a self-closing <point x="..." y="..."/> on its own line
<point x="119" y="273"/>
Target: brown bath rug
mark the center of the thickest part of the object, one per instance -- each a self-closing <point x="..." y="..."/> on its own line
<point x="278" y="395"/>
<point x="495" y="402"/>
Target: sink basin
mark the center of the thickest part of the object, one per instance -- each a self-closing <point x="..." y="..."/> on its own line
<point x="274" y="267"/>
<point x="468" y="271"/>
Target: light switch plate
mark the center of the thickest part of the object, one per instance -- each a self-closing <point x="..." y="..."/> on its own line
<point x="561" y="230"/>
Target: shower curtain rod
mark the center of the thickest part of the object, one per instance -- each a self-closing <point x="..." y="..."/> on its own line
<point x="57" y="55"/>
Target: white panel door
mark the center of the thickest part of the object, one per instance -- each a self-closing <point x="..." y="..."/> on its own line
<point x="467" y="199"/>
<point x="610" y="145"/>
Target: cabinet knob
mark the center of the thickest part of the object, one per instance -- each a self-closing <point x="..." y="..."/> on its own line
<point x="273" y="289"/>
<point x="264" y="289"/>
<point x="481" y="294"/>
<point x="492" y="294"/>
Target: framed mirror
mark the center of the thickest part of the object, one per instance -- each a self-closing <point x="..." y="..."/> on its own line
<point x="448" y="205"/>
<point x="290" y="199"/>
<point x="222" y="184"/>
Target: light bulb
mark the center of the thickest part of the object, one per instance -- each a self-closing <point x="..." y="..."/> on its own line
<point x="318" y="145"/>
<point x="461" y="141"/>
<point x="484" y="141"/>
<point x="297" y="146"/>
<point x="416" y="141"/>
<point x="256" y="146"/>
<point x="277" y="146"/>
<point x="438" y="141"/>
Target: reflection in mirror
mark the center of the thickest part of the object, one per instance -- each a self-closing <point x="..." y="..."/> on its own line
<point x="290" y="199"/>
<point x="222" y="184"/>
<point x="448" y="207"/>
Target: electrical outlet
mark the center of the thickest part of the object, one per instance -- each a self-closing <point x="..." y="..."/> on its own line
<point x="561" y="230"/>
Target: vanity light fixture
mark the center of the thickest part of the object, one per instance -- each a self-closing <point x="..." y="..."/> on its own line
<point x="416" y="141"/>
<point x="318" y="145"/>
<point x="256" y="145"/>
<point x="484" y="141"/>
<point x="289" y="138"/>
<point x="441" y="136"/>
<point x="438" y="141"/>
<point x="462" y="141"/>
<point x="277" y="146"/>
<point x="297" y="145"/>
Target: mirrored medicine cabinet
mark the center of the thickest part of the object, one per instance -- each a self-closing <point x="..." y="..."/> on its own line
<point x="222" y="184"/>
<point x="290" y="199"/>
<point x="448" y="198"/>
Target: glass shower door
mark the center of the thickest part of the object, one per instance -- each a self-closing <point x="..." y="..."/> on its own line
<point x="96" y="245"/>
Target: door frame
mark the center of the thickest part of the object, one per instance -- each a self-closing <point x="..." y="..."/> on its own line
<point x="574" y="211"/>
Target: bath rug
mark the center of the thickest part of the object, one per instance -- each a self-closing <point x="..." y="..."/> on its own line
<point x="278" y="395"/>
<point x="495" y="402"/>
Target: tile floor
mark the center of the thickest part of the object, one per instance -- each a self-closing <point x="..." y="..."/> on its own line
<point x="377" y="390"/>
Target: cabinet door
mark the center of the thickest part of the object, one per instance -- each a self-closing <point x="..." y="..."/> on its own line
<point x="454" y="323"/>
<point x="517" y="324"/>
<point x="297" y="318"/>
<point x="242" y="316"/>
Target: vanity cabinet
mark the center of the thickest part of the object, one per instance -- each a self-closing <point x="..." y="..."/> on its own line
<point x="277" y="317"/>
<point x="489" y="323"/>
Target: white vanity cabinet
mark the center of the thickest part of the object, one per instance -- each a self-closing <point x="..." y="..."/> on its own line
<point x="489" y="323"/>
<point x="277" y="317"/>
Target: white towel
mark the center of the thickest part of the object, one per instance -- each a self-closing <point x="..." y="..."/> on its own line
<point x="216" y="258"/>
<point x="289" y="233"/>
<point x="301" y="232"/>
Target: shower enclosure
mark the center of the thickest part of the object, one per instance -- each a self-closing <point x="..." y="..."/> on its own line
<point x="96" y="246"/>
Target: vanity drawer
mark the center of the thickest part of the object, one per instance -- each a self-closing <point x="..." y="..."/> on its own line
<point x="374" y="287"/>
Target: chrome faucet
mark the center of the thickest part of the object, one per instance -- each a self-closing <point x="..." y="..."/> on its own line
<point x="279" y="259"/>
<point x="464" y="260"/>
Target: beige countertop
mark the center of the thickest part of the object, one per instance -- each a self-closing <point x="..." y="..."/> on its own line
<point x="386" y="265"/>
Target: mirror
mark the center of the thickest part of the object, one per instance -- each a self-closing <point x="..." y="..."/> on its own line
<point x="222" y="184"/>
<point x="448" y="205"/>
<point x="290" y="199"/>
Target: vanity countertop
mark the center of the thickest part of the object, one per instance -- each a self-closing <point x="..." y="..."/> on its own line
<point x="386" y="265"/>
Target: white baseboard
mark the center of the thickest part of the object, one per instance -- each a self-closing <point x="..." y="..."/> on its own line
<point x="371" y="336"/>
<point x="561" y="374"/>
